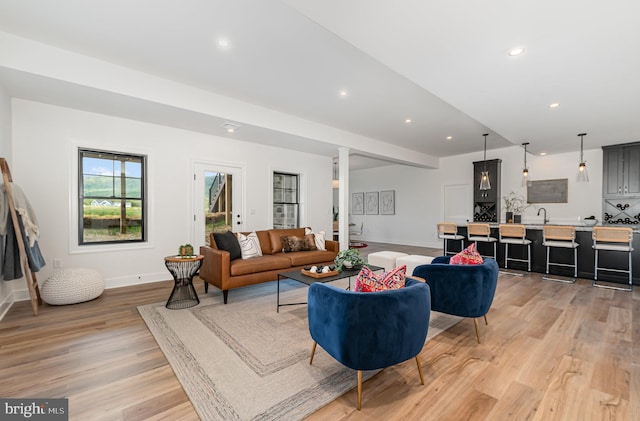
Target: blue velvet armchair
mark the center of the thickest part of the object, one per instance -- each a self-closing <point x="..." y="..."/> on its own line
<point x="369" y="330"/>
<point x="461" y="290"/>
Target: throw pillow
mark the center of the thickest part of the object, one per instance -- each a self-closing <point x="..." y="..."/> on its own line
<point x="229" y="242"/>
<point x="320" y="238"/>
<point x="367" y="281"/>
<point x="249" y="245"/>
<point x="468" y="256"/>
<point x="291" y="243"/>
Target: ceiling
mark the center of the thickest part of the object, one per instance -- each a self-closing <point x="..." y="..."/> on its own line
<point x="444" y="65"/>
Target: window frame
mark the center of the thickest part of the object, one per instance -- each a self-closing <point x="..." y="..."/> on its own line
<point x="283" y="202"/>
<point x="123" y="157"/>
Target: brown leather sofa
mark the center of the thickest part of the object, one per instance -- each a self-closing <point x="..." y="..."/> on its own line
<point x="219" y="270"/>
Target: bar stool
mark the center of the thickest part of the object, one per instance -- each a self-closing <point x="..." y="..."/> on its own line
<point x="514" y="234"/>
<point x="560" y="236"/>
<point x="482" y="233"/>
<point x="449" y="231"/>
<point x="612" y="239"/>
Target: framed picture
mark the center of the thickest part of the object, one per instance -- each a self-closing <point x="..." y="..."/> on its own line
<point x="388" y="202"/>
<point x="371" y="204"/>
<point x="357" y="203"/>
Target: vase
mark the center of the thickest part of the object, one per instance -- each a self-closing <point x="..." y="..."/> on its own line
<point x="508" y="217"/>
<point x="517" y="219"/>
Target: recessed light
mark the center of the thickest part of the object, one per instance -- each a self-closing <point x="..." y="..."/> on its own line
<point x="543" y="153"/>
<point x="223" y="43"/>
<point x="516" y="51"/>
<point x="554" y="105"/>
<point x="449" y="137"/>
<point x="343" y="94"/>
<point x="407" y="120"/>
<point x="230" y="127"/>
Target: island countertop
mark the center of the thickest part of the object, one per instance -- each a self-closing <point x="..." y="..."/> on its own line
<point x="578" y="226"/>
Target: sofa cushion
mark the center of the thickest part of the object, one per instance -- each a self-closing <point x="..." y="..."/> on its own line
<point x="303" y="258"/>
<point x="258" y="264"/>
<point x="276" y="240"/>
<point x="293" y="243"/>
<point x="319" y="237"/>
<point x="249" y="245"/>
<point x="367" y="281"/>
<point x="468" y="256"/>
<point x="229" y="242"/>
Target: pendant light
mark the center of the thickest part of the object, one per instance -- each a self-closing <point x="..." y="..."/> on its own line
<point x="335" y="182"/>
<point x="484" y="175"/>
<point x="525" y="171"/>
<point x="583" y="176"/>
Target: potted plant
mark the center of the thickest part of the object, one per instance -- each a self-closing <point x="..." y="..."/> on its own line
<point x="514" y="205"/>
<point x="348" y="258"/>
<point x="186" y="250"/>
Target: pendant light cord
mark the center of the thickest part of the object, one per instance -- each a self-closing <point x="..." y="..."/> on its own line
<point x="485" y="150"/>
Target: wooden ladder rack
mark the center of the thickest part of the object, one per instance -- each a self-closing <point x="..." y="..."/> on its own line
<point x="30" y="277"/>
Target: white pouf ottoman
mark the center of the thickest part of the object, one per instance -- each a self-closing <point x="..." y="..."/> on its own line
<point x="385" y="259"/>
<point x="412" y="261"/>
<point x="71" y="286"/>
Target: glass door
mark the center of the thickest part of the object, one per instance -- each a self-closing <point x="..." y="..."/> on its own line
<point x="217" y="201"/>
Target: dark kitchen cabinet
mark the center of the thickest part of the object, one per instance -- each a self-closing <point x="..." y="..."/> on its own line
<point x="486" y="206"/>
<point x="621" y="170"/>
<point x="621" y="184"/>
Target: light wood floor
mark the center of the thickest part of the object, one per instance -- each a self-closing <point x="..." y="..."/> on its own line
<point x="551" y="351"/>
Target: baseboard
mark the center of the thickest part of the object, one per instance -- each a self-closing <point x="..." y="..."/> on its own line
<point x="125" y="281"/>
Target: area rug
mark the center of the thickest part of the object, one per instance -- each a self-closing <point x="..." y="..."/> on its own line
<point x="245" y="361"/>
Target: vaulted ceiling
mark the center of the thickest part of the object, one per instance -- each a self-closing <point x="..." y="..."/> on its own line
<point x="356" y="71"/>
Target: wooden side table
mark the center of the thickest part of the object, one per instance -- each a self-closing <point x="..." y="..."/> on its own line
<point x="183" y="269"/>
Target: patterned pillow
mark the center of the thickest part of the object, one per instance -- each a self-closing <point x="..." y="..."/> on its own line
<point x="292" y="243"/>
<point x="249" y="245"/>
<point x="468" y="256"/>
<point x="319" y="237"/>
<point x="367" y="281"/>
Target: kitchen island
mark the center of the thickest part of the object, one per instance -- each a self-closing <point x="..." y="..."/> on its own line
<point x="586" y="254"/>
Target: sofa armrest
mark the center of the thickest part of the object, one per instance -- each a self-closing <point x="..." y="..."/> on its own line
<point x="215" y="266"/>
<point x="331" y="245"/>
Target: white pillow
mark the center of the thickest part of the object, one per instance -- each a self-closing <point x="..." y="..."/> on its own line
<point x="249" y="245"/>
<point x="319" y="237"/>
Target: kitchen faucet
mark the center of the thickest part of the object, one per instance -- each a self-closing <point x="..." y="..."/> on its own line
<point x="545" y="220"/>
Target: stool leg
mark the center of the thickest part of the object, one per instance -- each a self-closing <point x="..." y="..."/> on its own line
<point x="595" y="270"/>
<point x="547" y="269"/>
<point x="528" y="257"/>
<point x="630" y="275"/>
<point x="495" y="253"/>
<point x="506" y="254"/>
<point x="445" y="247"/>
<point x="575" y="262"/>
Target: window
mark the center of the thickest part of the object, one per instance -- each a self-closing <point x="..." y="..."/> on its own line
<point x="111" y="197"/>
<point x="285" y="200"/>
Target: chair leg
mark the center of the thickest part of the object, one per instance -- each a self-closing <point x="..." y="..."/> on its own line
<point x="313" y="351"/>
<point x="475" y="322"/>
<point x="485" y="320"/>
<point x="419" y="369"/>
<point x="359" y="389"/>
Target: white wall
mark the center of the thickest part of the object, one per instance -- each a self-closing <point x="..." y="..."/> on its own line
<point x="419" y="192"/>
<point x="45" y="138"/>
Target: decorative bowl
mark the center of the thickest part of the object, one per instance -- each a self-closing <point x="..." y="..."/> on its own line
<point x="590" y="222"/>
